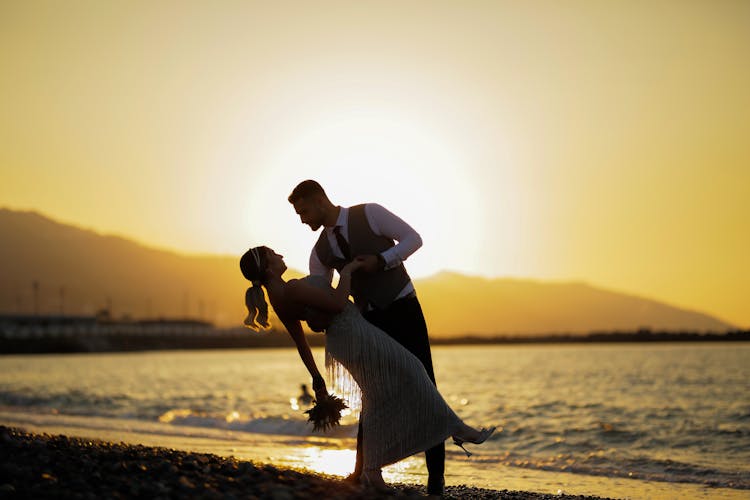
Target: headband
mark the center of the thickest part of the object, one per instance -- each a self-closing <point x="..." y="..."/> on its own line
<point x="256" y="255"/>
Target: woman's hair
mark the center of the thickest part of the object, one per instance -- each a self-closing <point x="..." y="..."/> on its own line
<point x="257" y="309"/>
<point x="253" y="266"/>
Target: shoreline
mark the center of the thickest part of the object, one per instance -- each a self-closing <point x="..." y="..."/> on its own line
<point x="121" y="343"/>
<point x="57" y="466"/>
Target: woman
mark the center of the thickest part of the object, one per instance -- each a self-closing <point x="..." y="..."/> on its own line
<point x="402" y="411"/>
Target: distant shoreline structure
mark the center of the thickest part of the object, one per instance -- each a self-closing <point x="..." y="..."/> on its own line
<point x="615" y="336"/>
<point x="35" y="334"/>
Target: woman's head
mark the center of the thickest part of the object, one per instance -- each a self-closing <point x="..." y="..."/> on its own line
<point x="259" y="263"/>
<point x="254" y="267"/>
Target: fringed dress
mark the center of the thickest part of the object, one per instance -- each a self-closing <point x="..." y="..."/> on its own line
<point x="402" y="411"/>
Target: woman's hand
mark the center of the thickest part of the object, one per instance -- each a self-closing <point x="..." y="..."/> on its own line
<point x="352" y="266"/>
<point x="371" y="263"/>
<point x="319" y="387"/>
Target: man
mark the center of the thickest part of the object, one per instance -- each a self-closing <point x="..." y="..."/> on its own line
<point x="384" y="292"/>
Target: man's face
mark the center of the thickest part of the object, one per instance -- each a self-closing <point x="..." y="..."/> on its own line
<point x="310" y="211"/>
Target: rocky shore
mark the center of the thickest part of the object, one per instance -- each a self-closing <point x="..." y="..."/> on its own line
<point x="44" y="466"/>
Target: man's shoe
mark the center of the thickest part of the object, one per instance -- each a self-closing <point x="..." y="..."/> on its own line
<point x="436" y="487"/>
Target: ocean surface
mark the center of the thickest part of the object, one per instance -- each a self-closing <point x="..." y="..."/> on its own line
<point x="621" y="420"/>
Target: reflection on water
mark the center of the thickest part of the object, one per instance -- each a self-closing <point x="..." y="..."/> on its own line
<point x="340" y="462"/>
<point x="294" y="404"/>
<point x="334" y="462"/>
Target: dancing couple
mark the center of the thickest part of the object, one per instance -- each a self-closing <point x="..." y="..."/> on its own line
<point x="380" y="339"/>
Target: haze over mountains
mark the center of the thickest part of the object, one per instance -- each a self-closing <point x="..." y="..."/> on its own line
<point x="80" y="272"/>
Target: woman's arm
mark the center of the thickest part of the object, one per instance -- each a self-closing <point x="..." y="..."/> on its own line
<point x="294" y="327"/>
<point x="307" y="295"/>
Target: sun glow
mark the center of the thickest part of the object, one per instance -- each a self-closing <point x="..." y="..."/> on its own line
<point x="334" y="462"/>
<point x="367" y="155"/>
<point x="341" y="463"/>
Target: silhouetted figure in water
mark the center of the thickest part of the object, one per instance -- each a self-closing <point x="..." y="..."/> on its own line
<point x="305" y="398"/>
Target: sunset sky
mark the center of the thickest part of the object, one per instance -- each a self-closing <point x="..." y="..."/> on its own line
<point x="605" y="142"/>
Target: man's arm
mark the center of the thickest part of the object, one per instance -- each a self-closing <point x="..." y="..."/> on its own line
<point x="385" y="223"/>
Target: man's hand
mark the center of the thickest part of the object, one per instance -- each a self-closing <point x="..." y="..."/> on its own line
<point x="370" y="263"/>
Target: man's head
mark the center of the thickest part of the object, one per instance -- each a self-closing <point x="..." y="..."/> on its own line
<point x="312" y="205"/>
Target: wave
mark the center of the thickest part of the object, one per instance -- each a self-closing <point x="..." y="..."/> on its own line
<point x="257" y="425"/>
<point x="643" y="468"/>
<point x="177" y="418"/>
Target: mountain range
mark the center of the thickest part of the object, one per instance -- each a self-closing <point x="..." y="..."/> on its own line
<point x="53" y="268"/>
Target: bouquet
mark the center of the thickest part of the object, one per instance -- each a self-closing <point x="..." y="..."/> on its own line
<point x="326" y="412"/>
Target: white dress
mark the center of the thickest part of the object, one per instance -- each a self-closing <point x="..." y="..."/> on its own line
<point x="402" y="411"/>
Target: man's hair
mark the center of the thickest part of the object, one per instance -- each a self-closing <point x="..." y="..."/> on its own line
<point x="305" y="189"/>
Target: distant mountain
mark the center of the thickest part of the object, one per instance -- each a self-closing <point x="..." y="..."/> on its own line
<point x="99" y="271"/>
<point x="459" y="303"/>
<point x="80" y="271"/>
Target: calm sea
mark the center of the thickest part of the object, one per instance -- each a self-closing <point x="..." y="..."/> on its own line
<point x="624" y="420"/>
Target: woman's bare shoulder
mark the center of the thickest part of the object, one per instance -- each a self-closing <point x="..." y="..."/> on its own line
<point x="294" y="284"/>
<point x="299" y="290"/>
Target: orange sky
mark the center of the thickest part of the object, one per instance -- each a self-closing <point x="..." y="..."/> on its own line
<point x="597" y="141"/>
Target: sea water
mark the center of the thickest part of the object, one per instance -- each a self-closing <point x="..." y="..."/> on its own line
<point x="629" y="420"/>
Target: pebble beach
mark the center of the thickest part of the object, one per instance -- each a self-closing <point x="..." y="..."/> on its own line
<point x="56" y="466"/>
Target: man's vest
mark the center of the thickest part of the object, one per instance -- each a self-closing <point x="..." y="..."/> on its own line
<point x="378" y="289"/>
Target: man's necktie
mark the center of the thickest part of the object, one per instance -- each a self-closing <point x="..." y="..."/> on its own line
<point x="343" y="244"/>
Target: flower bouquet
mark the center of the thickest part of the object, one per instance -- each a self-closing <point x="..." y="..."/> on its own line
<point x="326" y="412"/>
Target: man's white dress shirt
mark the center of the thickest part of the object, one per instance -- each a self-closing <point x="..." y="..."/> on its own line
<point x="383" y="223"/>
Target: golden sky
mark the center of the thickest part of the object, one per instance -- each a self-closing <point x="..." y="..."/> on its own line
<point x="607" y="142"/>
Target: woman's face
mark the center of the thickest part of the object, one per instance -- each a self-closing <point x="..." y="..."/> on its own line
<point x="275" y="262"/>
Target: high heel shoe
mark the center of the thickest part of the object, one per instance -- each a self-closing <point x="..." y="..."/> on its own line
<point x="483" y="435"/>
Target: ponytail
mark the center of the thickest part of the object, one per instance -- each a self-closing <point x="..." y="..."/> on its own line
<point x="253" y="266"/>
<point x="257" y="308"/>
